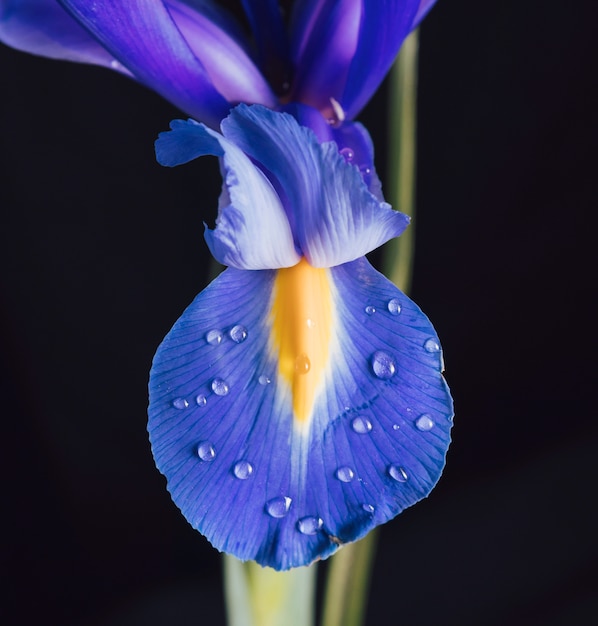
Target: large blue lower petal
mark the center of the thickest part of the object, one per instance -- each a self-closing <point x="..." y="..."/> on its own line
<point x="223" y="430"/>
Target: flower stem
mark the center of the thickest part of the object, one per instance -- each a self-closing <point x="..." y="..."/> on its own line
<point x="260" y="596"/>
<point x="398" y="253"/>
<point x="349" y="572"/>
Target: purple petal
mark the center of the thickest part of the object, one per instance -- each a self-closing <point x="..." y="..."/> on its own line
<point x="270" y="36"/>
<point x="228" y="65"/>
<point x="334" y="217"/>
<point x="344" y="48"/>
<point x="252" y="231"/>
<point x="143" y="37"/>
<point x="44" y="28"/>
<point x="424" y="8"/>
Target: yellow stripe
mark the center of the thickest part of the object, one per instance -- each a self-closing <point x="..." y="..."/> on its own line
<point x="301" y="331"/>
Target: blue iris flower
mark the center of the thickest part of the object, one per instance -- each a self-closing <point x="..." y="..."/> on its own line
<point x="329" y="54"/>
<point x="299" y="401"/>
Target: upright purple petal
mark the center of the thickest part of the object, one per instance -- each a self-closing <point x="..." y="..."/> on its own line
<point x="223" y="56"/>
<point x="143" y="37"/>
<point x="270" y="35"/>
<point x="424" y="7"/>
<point x="44" y="28"/>
<point x="344" y="48"/>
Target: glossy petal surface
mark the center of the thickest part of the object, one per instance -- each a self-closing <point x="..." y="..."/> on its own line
<point x="223" y="431"/>
<point x="333" y="215"/>
<point x="44" y="28"/>
<point x="142" y="35"/>
<point x="344" y="48"/>
<point x="252" y="230"/>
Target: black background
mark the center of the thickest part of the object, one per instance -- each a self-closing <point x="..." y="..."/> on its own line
<point x="101" y="250"/>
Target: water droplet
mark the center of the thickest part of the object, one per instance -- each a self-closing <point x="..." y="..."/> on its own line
<point x="424" y="422"/>
<point x="365" y="170"/>
<point x="310" y="323"/>
<point x="431" y="345"/>
<point x="220" y="387"/>
<point x="309" y="525"/>
<point x="368" y="508"/>
<point x="180" y="403"/>
<point x="205" y="451"/>
<point x="201" y="400"/>
<point x="397" y="473"/>
<point x="278" y="507"/>
<point x="383" y="365"/>
<point x="348" y="154"/>
<point x="395" y="427"/>
<point x="264" y="380"/>
<point x="345" y="474"/>
<point x="370" y="310"/>
<point x="238" y="333"/>
<point x="214" y="337"/>
<point x="394" y="306"/>
<point x="302" y="364"/>
<point x="114" y="64"/>
<point x="361" y="425"/>
<point x="243" y="470"/>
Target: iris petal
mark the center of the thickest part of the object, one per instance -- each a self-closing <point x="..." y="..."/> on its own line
<point x="344" y="48"/>
<point x="143" y="37"/>
<point x="332" y="213"/>
<point x="250" y="209"/>
<point x="45" y="28"/>
<point x="223" y="431"/>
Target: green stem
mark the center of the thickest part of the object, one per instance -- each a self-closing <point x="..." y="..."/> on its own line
<point x="398" y="253"/>
<point x="260" y="596"/>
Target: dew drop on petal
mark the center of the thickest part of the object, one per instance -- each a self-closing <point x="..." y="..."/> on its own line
<point x="205" y="451"/>
<point x="220" y="387"/>
<point x="383" y="365"/>
<point x="361" y="425"/>
<point x="395" y="427"/>
<point x="394" y="306"/>
<point x="264" y="380"/>
<point x="368" y="508"/>
<point x="243" y="470"/>
<point x="309" y="525"/>
<point x="238" y="333"/>
<point x="302" y="364"/>
<point x="180" y="403"/>
<point x="365" y="170"/>
<point x="396" y="472"/>
<point x="278" y="507"/>
<point x="431" y="345"/>
<point x="214" y="337"/>
<point x="424" y="422"/>
<point x="348" y="154"/>
<point x="370" y="310"/>
<point x="201" y="400"/>
<point x="345" y="474"/>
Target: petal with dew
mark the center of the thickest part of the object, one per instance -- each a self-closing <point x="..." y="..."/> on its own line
<point x="142" y="36"/>
<point x="44" y="28"/>
<point x="257" y="481"/>
<point x="252" y="211"/>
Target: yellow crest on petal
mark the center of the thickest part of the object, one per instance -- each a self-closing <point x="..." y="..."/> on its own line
<point x="302" y="315"/>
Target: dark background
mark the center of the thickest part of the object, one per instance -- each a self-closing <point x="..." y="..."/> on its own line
<point x="101" y="250"/>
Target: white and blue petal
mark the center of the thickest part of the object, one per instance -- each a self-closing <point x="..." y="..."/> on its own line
<point x="263" y="474"/>
<point x="252" y="230"/>
<point x="333" y="215"/>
